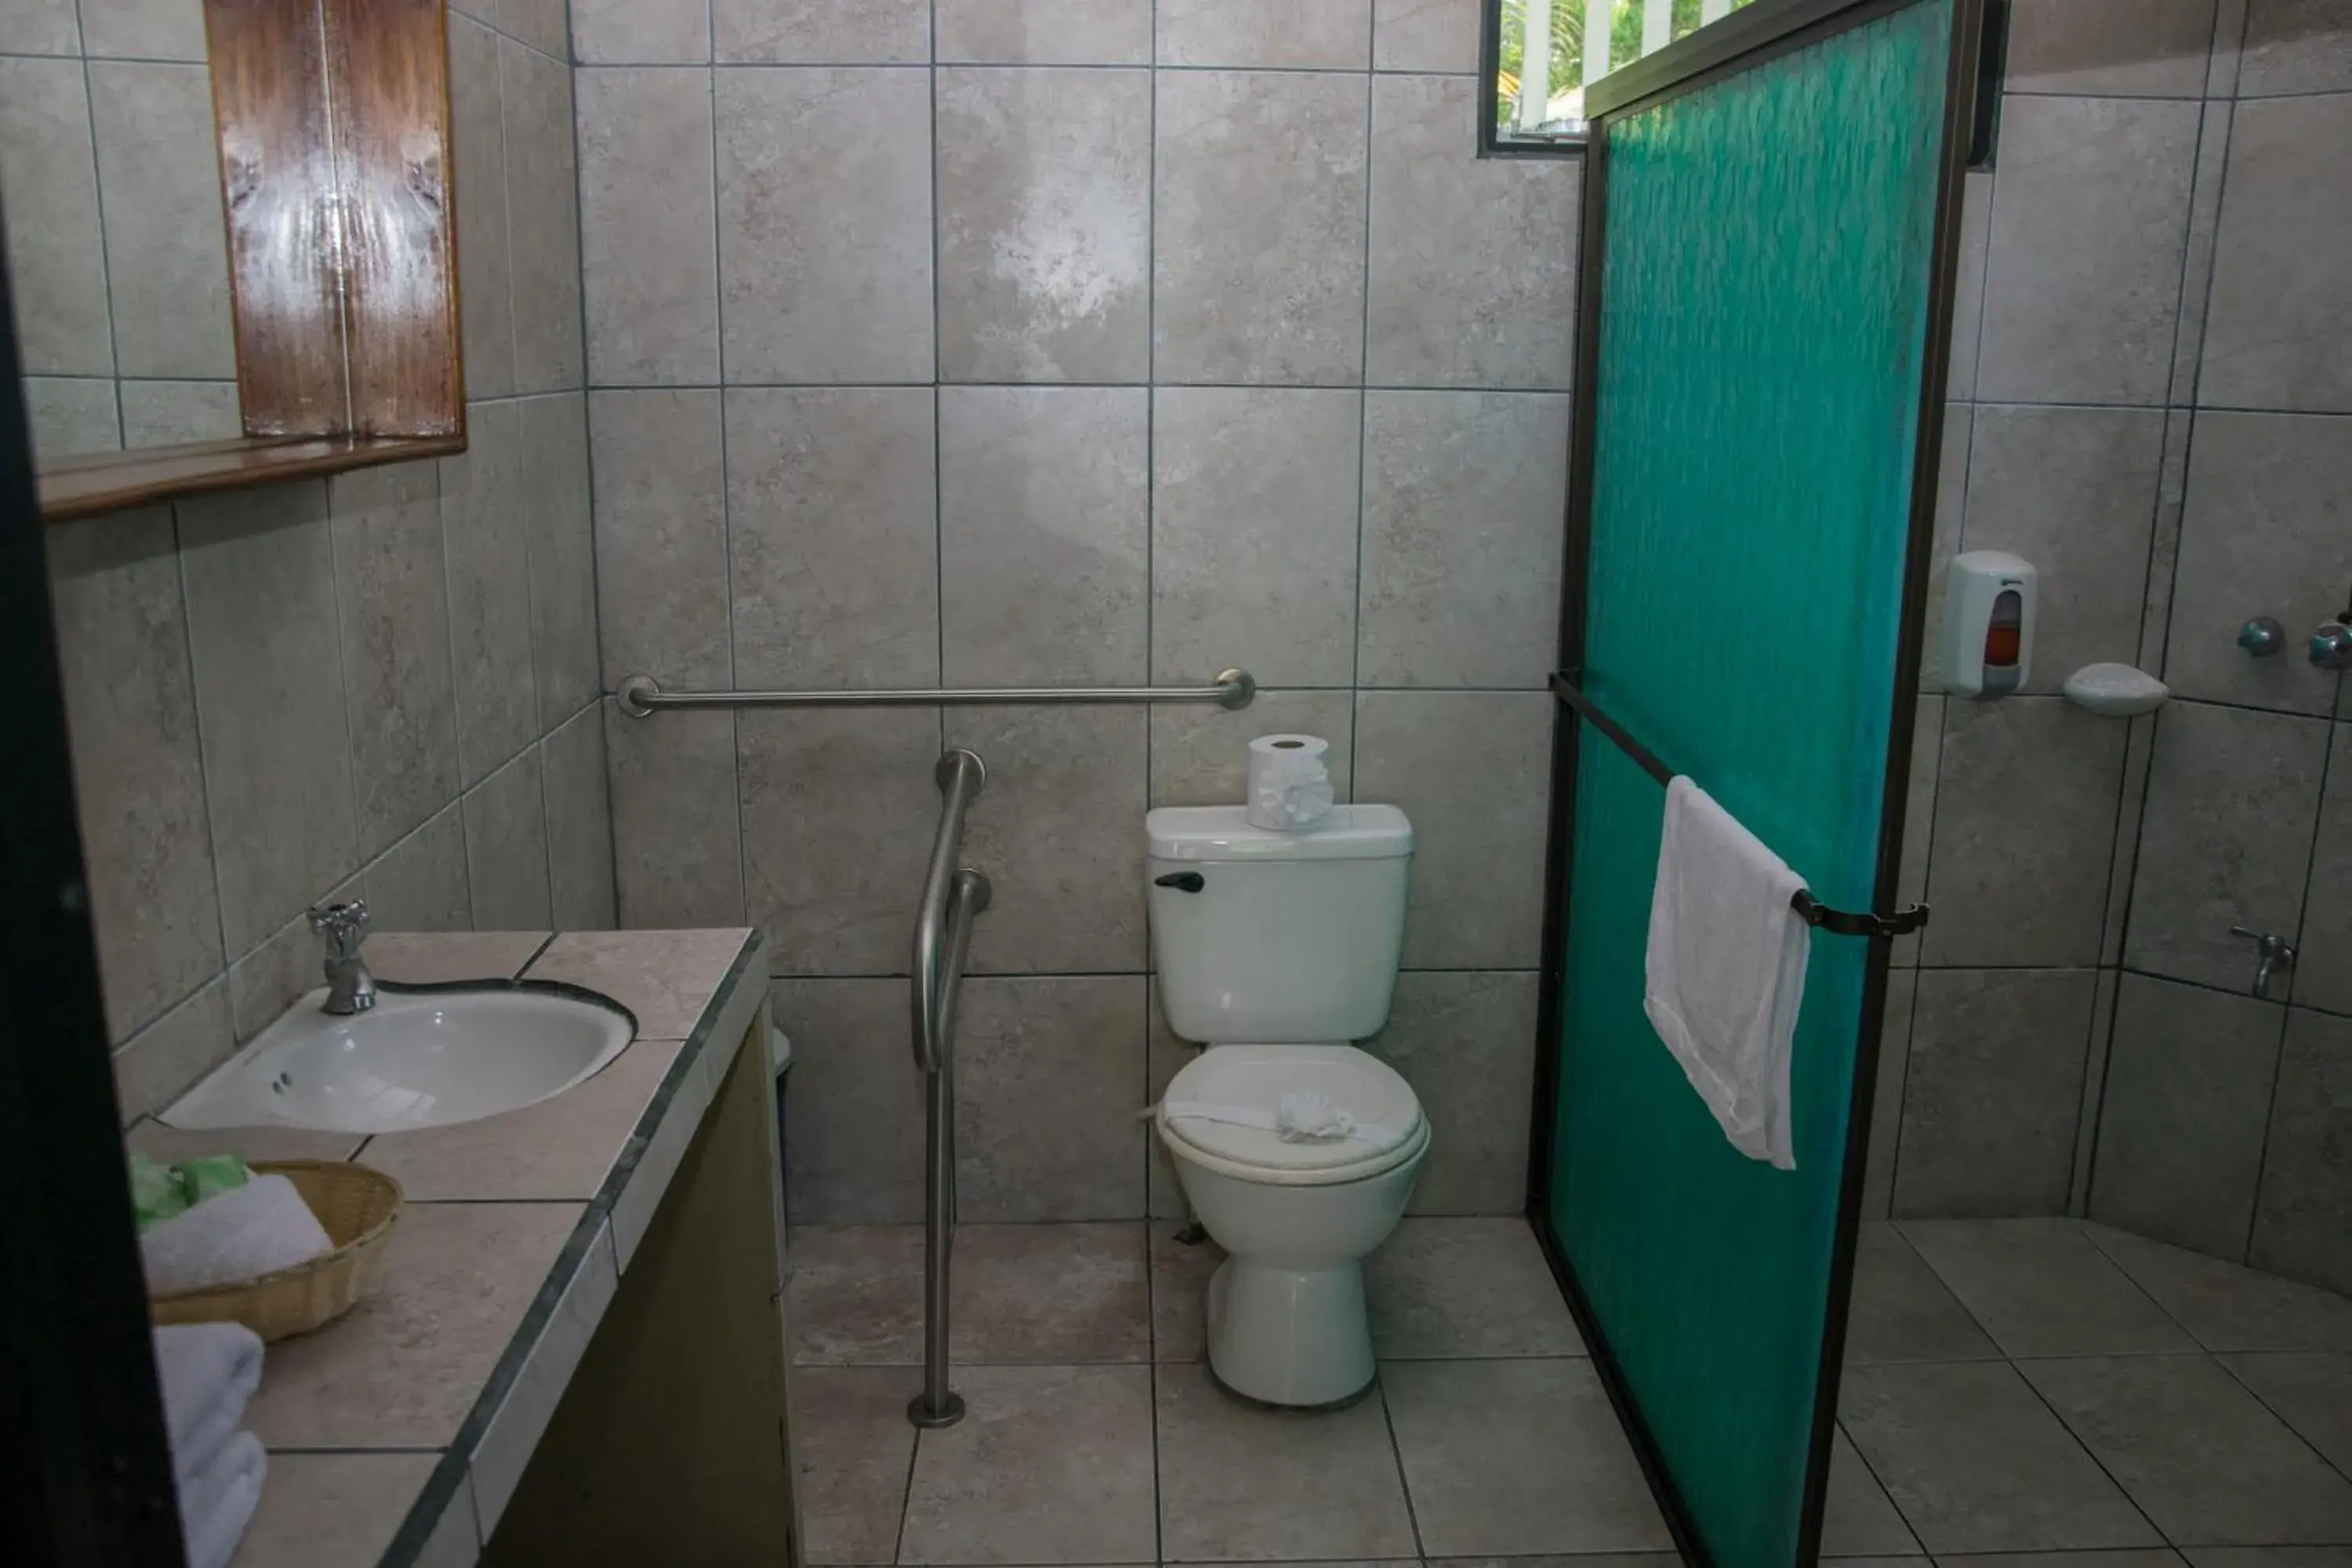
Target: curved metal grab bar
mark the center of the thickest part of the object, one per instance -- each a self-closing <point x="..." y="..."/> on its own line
<point x="639" y="696"/>
<point x="962" y="776"/>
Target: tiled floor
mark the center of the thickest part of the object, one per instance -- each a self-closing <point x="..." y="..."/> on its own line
<point x="2013" y="1386"/>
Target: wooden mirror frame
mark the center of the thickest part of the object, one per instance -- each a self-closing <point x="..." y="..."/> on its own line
<point x="335" y="158"/>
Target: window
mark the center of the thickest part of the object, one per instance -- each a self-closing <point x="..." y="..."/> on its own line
<point x="1583" y="41"/>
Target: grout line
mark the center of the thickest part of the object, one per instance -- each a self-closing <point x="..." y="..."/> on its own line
<point x="2277" y="1414"/>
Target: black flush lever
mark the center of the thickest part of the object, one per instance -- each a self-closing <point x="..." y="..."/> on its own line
<point x="1183" y="881"/>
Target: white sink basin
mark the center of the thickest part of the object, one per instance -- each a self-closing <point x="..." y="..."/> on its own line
<point x="416" y="1058"/>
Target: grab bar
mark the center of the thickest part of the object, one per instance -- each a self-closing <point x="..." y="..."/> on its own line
<point x="1811" y="911"/>
<point x="962" y="776"/>
<point x="953" y="898"/>
<point x="639" y="696"/>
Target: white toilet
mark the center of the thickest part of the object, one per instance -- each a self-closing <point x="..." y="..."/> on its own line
<point x="1275" y="950"/>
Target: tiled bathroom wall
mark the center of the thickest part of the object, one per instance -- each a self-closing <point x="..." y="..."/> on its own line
<point x="2151" y="403"/>
<point x="384" y="683"/>
<point x="1001" y="343"/>
<point x="116" y="246"/>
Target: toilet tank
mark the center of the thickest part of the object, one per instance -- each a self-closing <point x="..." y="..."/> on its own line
<point x="1289" y="936"/>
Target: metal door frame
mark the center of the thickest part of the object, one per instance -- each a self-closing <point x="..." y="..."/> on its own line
<point x="1741" y="41"/>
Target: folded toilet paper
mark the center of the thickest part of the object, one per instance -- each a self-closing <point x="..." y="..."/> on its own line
<point x="1290" y="787"/>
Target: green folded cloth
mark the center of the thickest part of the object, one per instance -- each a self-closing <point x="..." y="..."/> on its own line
<point x="159" y="1192"/>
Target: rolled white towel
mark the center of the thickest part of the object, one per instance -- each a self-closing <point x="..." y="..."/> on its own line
<point x="242" y="1234"/>
<point x="216" y="1502"/>
<point x="208" y="1372"/>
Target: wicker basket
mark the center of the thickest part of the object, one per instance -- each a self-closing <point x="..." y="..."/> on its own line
<point x="356" y="1207"/>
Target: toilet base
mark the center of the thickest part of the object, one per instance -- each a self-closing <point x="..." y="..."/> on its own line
<point x="1296" y="1338"/>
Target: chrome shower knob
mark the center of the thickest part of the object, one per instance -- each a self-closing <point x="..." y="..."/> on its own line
<point x="2261" y="637"/>
<point x="2331" y="645"/>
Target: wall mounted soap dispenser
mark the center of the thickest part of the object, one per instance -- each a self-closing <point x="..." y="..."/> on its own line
<point x="1988" y="634"/>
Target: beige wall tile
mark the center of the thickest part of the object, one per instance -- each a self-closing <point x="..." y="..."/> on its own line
<point x="2268" y="505"/>
<point x="848" y="299"/>
<point x="2232" y="798"/>
<point x="1258" y="262"/>
<point x="419" y="884"/>
<point x="2324" y="971"/>
<point x="392" y="584"/>
<point x="71" y="416"/>
<point x="833" y="536"/>
<point x="1464" y="497"/>
<point x="2089" y="221"/>
<point x="578" y="824"/>
<point x="1466" y="1043"/>
<point x="49" y="27"/>
<point x="661" y="536"/>
<point x="260" y="579"/>
<point x="485" y="267"/>
<point x="1045" y="32"/>
<point x="677" y="833"/>
<point x="55" y="267"/>
<point x="1044" y="226"/>
<point x="1200" y="752"/>
<point x="1968" y="288"/>
<point x="1059" y="831"/>
<point x="1253" y="533"/>
<point x="1064" y="1052"/>
<point x="163" y="1060"/>
<point x="122" y="647"/>
<point x="486" y="532"/>
<point x="1994" y="1079"/>
<point x="1886" y="1100"/>
<point x="2295" y="45"/>
<point x="2074" y="491"/>
<point x="1313" y="35"/>
<point x="839" y="808"/>
<point x="2303" y="1223"/>
<point x="145" y="29"/>
<point x="2187" y="1101"/>
<point x="543" y="213"/>
<point x="166" y="244"/>
<point x="2014" y="886"/>
<point x="2089" y="48"/>
<point x="1043" y="535"/>
<point x="822" y="32"/>
<point x="1472" y="259"/>
<point x="641" y="32"/>
<point x="853" y="1115"/>
<point x="648" y="218"/>
<point x="563" y="555"/>
<point x="506" y="848"/>
<point x="2278" y="333"/>
<point x="172" y="413"/>
<point x="1426" y="36"/>
<point x="541" y="24"/>
<point x="1469" y="769"/>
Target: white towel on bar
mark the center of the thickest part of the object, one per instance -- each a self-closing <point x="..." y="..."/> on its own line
<point x="1727" y="969"/>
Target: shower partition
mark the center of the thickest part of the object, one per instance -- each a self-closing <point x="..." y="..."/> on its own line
<point x="1769" y="209"/>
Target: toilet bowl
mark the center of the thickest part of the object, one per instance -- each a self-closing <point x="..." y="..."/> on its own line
<point x="1286" y="1312"/>
<point x="1296" y="1151"/>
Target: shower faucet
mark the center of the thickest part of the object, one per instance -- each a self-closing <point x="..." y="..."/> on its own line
<point x="2277" y="954"/>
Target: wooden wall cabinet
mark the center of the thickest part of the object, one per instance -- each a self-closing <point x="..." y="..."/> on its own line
<point x="335" y="160"/>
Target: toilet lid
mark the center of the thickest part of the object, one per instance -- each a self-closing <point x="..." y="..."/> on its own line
<point x="1253" y="1082"/>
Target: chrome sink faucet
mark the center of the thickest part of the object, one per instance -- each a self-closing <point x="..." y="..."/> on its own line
<point x="2275" y="950"/>
<point x="350" y="987"/>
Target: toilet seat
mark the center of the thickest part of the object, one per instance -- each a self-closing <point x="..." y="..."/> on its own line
<point x="1255" y="1078"/>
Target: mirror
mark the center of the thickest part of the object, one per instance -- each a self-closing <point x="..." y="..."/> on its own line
<point x="118" y="250"/>
<point x="229" y="240"/>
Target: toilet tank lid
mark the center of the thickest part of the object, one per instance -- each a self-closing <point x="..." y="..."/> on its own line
<point x="1223" y="833"/>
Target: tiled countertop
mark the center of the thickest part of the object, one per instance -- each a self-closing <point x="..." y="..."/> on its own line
<point x="397" y="1433"/>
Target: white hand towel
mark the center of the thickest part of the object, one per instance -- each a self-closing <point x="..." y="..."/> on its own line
<point x="208" y="1372"/>
<point x="1727" y="969"/>
<point x="242" y="1234"/>
<point x="216" y="1502"/>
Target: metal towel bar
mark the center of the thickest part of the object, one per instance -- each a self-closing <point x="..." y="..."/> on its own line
<point x="1811" y="911"/>
<point x="641" y="695"/>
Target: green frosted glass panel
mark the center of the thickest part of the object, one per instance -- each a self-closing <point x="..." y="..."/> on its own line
<point x="1764" y="312"/>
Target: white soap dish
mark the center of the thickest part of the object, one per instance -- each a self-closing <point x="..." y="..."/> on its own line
<point x="2115" y="690"/>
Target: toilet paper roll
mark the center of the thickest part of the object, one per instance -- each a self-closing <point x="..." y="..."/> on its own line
<point x="1290" y="787"/>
